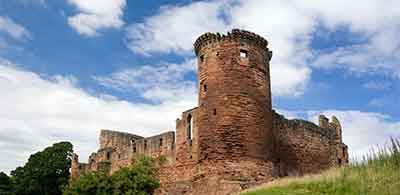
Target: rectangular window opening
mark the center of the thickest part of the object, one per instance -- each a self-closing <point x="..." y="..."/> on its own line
<point x="243" y="53"/>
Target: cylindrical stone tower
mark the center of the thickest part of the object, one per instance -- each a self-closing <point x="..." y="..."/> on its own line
<point x="235" y="114"/>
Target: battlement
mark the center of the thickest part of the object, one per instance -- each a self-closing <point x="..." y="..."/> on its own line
<point x="234" y="35"/>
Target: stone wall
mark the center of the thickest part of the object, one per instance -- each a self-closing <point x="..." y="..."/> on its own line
<point x="187" y="130"/>
<point x="116" y="140"/>
<point x="214" y="177"/>
<point x="303" y="147"/>
<point x="119" y="149"/>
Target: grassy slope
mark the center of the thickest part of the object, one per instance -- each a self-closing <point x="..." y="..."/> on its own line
<point x="379" y="174"/>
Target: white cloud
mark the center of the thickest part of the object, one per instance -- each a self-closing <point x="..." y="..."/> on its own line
<point x="289" y="27"/>
<point x="175" y="28"/>
<point x="36" y="112"/>
<point x="380" y="55"/>
<point x="96" y="14"/>
<point x="165" y="82"/>
<point x="13" y="29"/>
<point x="363" y="130"/>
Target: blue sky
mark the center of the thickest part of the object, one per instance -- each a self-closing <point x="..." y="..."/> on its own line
<point x="71" y="67"/>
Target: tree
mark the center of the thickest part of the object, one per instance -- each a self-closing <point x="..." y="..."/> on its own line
<point x="46" y="172"/>
<point x="5" y="184"/>
<point x="91" y="183"/>
<point x="137" y="179"/>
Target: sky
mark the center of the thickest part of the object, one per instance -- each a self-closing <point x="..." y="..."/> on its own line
<point x="69" y="68"/>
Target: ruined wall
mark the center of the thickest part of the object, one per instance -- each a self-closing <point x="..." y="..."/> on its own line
<point x="119" y="149"/>
<point x="116" y="140"/>
<point x="187" y="137"/>
<point x="76" y="167"/>
<point x="234" y="112"/>
<point x="303" y="147"/>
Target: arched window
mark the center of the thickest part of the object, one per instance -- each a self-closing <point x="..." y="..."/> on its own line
<point x="189" y="127"/>
<point x="108" y="155"/>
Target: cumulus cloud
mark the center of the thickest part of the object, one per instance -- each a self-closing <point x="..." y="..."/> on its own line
<point x="175" y="28"/>
<point x="289" y="26"/>
<point x="95" y="15"/>
<point x="37" y="111"/>
<point x="13" y="29"/>
<point x="379" y="55"/>
<point x="362" y="130"/>
<point x="165" y="82"/>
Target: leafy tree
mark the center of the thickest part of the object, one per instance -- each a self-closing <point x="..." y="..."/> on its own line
<point x="46" y="172"/>
<point x="138" y="179"/>
<point x="89" y="184"/>
<point x="5" y="184"/>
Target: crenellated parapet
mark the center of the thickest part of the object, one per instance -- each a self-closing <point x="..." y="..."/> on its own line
<point x="234" y="35"/>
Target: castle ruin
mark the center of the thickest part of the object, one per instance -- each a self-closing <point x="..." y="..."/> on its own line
<point x="233" y="139"/>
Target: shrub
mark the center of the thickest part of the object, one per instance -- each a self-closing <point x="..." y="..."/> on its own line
<point x="137" y="179"/>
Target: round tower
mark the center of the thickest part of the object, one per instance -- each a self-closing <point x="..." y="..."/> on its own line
<point x="235" y="114"/>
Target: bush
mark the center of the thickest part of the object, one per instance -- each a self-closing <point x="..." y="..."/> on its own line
<point x="138" y="179"/>
<point x="91" y="183"/>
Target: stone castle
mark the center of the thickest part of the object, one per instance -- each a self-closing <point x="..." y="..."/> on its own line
<point x="233" y="139"/>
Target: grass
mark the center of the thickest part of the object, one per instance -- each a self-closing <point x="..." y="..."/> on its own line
<point x="377" y="174"/>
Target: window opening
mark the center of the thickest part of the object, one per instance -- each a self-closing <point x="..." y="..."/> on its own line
<point x="202" y="58"/>
<point x="243" y="53"/>
<point x="189" y="127"/>
<point x="108" y="155"/>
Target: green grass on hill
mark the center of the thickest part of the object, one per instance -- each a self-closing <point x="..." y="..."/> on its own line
<point x="377" y="174"/>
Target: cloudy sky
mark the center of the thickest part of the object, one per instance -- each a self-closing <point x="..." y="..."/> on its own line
<point x="69" y="68"/>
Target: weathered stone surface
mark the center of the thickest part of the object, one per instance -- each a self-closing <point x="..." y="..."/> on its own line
<point x="234" y="139"/>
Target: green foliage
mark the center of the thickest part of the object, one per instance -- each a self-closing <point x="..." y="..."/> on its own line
<point x="92" y="183"/>
<point x="377" y="174"/>
<point x="5" y="184"/>
<point x="138" y="179"/>
<point x="45" y="173"/>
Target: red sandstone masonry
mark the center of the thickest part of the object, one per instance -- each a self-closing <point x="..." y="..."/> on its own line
<point x="234" y="97"/>
<point x="233" y="140"/>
